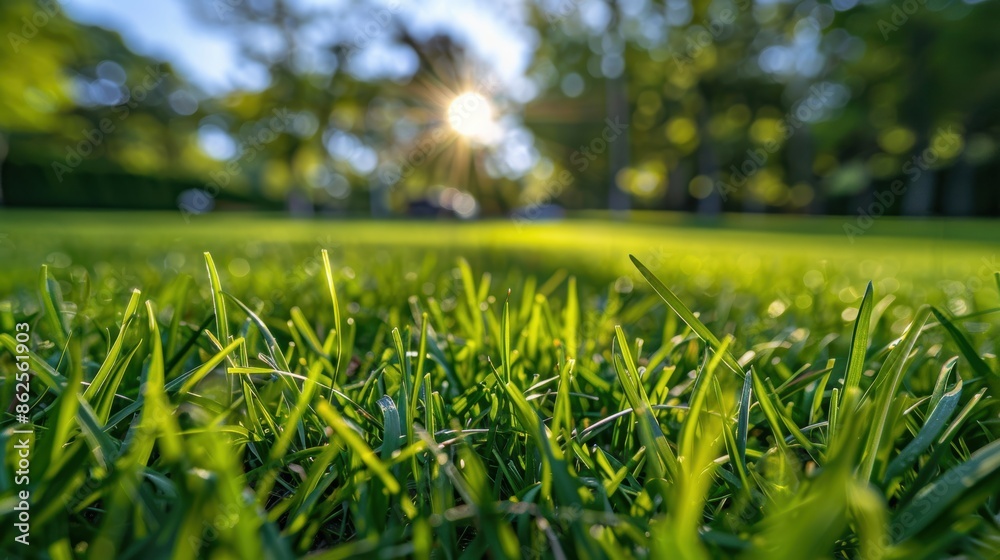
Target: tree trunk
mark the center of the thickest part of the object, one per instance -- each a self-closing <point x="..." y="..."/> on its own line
<point x="618" y="200"/>
<point x="379" y="196"/>
<point x="617" y="94"/>
<point x="919" y="198"/>
<point x="4" y="147"/>
<point x="708" y="165"/>
<point x="960" y="194"/>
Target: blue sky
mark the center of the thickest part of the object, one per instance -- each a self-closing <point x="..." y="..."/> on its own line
<point x="166" y="30"/>
<point x="209" y="56"/>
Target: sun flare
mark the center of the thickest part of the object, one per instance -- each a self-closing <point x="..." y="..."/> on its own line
<point x="471" y="115"/>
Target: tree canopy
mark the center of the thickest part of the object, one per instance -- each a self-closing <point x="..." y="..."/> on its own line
<point x="780" y="106"/>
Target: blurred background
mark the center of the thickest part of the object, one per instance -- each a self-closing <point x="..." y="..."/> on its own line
<point x="524" y="108"/>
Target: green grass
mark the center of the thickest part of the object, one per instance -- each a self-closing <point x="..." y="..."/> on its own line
<point x="258" y="388"/>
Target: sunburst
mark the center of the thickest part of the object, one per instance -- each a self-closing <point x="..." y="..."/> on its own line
<point x="458" y="116"/>
<point x="471" y="115"/>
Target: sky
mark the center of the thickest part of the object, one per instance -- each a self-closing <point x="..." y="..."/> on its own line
<point x="167" y="31"/>
<point x="209" y="56"/>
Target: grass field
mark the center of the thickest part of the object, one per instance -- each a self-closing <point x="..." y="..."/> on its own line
<point x="253" y="387"/>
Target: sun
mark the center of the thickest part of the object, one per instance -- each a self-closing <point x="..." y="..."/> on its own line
<point x="471" y="115"/>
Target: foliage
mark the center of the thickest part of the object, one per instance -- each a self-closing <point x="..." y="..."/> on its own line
<point x="797" y="106"/>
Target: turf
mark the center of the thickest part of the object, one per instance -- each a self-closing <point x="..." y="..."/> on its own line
<point x="261" y="388"/>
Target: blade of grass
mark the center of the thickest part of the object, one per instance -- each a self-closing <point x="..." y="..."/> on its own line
<point x="859" y="343"/>
<point x="157" y="404"/>
<point x="197" y="375"/>
<point x="687" y="316"/>
<point x="686" y="447"/>
<point x="273" y="349"/>
<point x="571" y="319"/>
<point x="52" y="304"/>
<point x="110" y="360"/>
<point x="936" y="498"/>
<point x="932" y="427"/>
<point x="743" y="421"/>
<point x="390" y="432"/>
<point x="218" y="301"/>
<point x="888" y="390"/>
<point x="663" y="462"/>
<point x="968" y="352"/>
<point x="357" y="445"/>
<point x="930" y="466"/>
<point x="337" y="325"/>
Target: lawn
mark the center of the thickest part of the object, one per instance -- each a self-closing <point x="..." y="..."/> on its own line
<point x="254" y="387"/>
